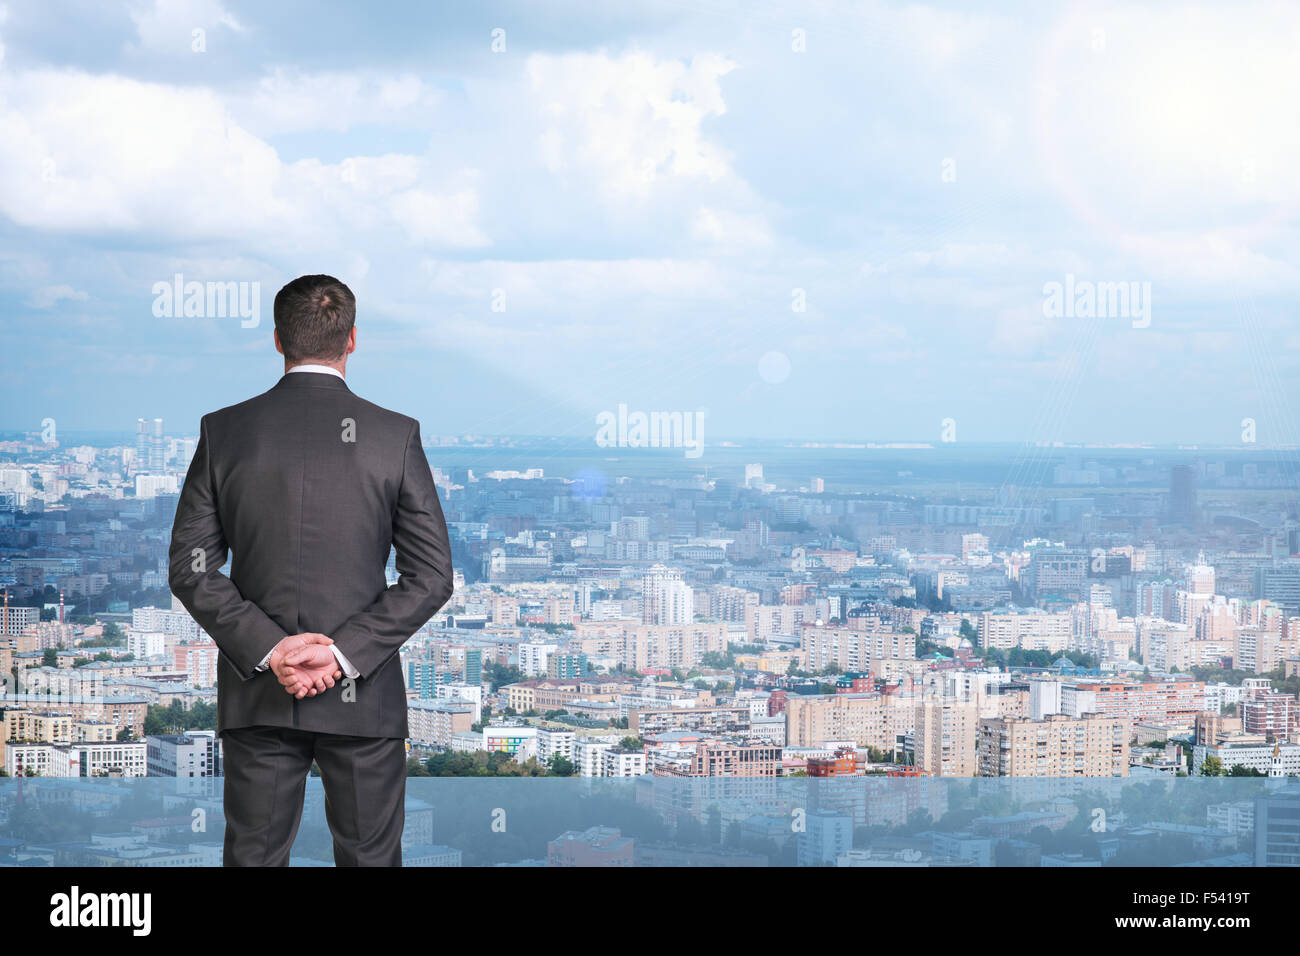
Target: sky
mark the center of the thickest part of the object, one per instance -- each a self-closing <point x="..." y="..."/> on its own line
<point x="818" y="221"/>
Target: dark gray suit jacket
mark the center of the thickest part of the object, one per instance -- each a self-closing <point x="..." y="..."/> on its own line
<point x="309" y="518"/>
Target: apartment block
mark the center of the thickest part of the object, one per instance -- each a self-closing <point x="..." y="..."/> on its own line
<point x="944" y="737"/>
<point x="869" y="720"/>
<point x="1093" y="745"/>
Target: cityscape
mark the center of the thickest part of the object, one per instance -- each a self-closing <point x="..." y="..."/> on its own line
<point x="1046" y="622"/>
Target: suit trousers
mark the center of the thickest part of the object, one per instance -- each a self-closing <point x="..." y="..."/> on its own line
<point x="266" y="772"/>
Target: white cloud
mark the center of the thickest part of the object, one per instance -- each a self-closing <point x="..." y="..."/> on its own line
<point x="631" y="122"/>
<point x="104" y="154"/>
<point x="627" y="138"/>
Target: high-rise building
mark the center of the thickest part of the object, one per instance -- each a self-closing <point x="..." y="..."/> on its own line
<point x="1182" y="494"/>
<point x="141" y="445"/>
<point x="474" y="666"/>
<point x="150" y="446"/>
<point x="944" y="739"/>
<point x="157" y="448"/>
<point x="665" y="597"/>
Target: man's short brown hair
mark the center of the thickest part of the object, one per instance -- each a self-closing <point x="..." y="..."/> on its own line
<point x="313" y="316"/>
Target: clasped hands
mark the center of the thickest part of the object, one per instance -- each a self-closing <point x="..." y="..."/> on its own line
<point x="305" y="665"/>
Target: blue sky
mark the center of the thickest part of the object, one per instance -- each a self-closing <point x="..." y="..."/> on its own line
<point x="645" y="188"/>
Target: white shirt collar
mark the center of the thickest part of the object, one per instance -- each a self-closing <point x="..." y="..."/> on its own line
<point x="325" y="369"/>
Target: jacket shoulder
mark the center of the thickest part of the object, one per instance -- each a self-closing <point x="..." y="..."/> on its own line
<point x="393" y="421"/>
<point x="232" y="412"/>
<point x="386" y="414"/>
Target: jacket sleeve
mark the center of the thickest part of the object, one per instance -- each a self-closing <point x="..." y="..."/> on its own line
<point x="243" y="632"/>
<point x="369" y="638"/>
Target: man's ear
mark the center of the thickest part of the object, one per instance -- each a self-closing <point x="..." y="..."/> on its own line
<point x="275" y="334"/>
<point x="352" y="340"/>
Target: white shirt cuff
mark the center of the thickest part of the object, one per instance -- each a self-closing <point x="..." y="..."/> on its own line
<point x="344" y="664"/>
<point x="266" y="661"/>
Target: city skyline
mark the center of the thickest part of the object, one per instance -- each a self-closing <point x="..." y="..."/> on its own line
<point x="951" y="668"/>
<point x="732" y="442"/>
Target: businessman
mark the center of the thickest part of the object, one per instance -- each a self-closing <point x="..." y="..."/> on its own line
<point x="308" y="486"/>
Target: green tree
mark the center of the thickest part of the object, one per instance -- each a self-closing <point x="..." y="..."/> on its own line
<point x="175" y="719"/>
<point x="562" y="766"/>
<point x="498" y="674"/>
<point x="1241" y="770"/>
